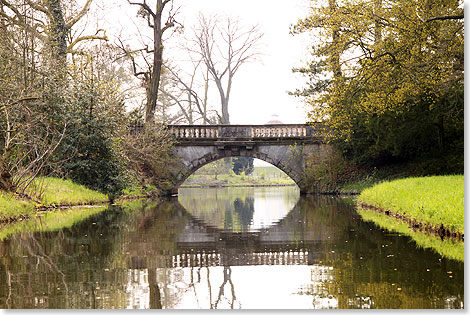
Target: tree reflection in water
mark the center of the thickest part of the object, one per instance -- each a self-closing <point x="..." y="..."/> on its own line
<point x="318" y="255"/>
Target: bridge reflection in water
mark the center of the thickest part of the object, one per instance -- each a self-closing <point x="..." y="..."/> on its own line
<point x="258" y="248"/>
<point x="221" y="234"/>
<point x="276" y="236"/>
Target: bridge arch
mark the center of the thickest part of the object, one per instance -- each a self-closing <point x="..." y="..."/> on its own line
<point x="284" y="146"/>
<point x="209" y="157"/>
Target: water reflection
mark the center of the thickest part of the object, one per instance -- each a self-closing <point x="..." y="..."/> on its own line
<point x="215" y="249"/>
<point x="233" y="209"/>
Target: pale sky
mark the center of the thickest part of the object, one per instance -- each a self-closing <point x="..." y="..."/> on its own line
<point x="259" y="88"/>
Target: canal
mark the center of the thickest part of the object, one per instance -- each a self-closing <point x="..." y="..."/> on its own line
<point x="223" y="248"/>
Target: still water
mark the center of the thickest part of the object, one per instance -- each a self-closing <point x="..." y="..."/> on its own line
<point x="226" y="248"/>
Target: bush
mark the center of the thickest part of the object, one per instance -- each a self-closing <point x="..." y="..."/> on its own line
<point x="148" y="151"/>
<point x="90" y="151"/>
<point x="324" y="171"/>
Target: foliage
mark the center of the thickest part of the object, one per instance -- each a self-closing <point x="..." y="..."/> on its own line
<point x="147" y="151"/>
<point x="28" y="101"/>
<point x="387" y="77"/>
<point x="243" y="164"/>
<point x="435" y="199"/>
<point x="324" y="173"/>
<point x="214" y="168"/>
<point x="95" y="119"/>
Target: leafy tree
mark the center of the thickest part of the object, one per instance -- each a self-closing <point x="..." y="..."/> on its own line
<point x="90" y="153"/>
<point x="387" y="76"/>
<point x="243" y="164"/>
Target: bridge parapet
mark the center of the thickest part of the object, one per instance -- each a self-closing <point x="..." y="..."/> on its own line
<point x="245" y="132"/>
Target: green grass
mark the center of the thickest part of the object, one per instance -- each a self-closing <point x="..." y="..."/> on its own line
<point x="233" y="180"/>
<point x="447" y="248"/>
<point x="50" y="221"/>
<point x="55" y="191"/>
<point x="11" y="207"/>
<point x="358" y="186"/>
<point x="435" y="199"/>
<point x="138" y="191"/>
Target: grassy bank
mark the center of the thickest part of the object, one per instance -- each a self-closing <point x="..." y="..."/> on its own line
<point x="50" y="221"/>
<point x="50" y="191"/>
<point x="13" y="208"/>
<point x="408" y="206"/>
<point x="47" y="192"/>
<point x="431" y="200"/>
<point x="448" y="248"/>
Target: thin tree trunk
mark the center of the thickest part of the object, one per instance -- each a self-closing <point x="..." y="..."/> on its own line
<point x="335" y="54"/>
<point x="157" y="63"/>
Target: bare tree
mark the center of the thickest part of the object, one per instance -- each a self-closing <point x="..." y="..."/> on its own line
<point x="224" y="45"/>
<point x="196" y="109"/>
<point x="152" y="74"/>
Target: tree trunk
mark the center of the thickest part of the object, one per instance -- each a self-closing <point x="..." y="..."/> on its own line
<point x="59" y="31"/>
<point x="155" y="295"/>
<point x="335" y="45"/>
<point x="6" y="182"/>
<point x="157" y="63"/>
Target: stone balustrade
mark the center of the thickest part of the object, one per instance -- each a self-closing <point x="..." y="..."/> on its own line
<point x="215" y="132"/>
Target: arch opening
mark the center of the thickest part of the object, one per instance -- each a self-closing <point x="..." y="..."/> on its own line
<point x="213" y="173"/>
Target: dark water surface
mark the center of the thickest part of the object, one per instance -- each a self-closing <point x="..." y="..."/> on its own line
<point x="226" y="248"/>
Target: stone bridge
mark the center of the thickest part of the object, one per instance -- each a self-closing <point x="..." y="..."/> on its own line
<point x="285" y="146"/>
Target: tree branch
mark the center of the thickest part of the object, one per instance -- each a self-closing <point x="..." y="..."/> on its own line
<point x="88" y="37"/>
<point x="144" y="6"/>
<point x="446" y="17"/>
<point x="79" y="15"/>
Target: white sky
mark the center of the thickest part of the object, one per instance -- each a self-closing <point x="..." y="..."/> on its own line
<point x="259" y="88"/>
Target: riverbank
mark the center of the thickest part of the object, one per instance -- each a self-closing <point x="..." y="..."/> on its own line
<point x="233" y="180"/>
<point x="434" y="205"/>
<point x="46" y="193"/>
